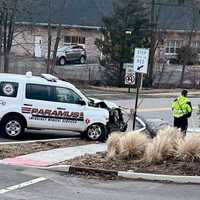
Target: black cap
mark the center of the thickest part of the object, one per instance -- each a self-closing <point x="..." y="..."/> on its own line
<point x="184" y="93"/>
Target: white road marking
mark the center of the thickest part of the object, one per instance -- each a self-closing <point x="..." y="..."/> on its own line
<point x="22" y="185"/>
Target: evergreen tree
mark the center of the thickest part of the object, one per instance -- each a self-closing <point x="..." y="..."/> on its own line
<point x="127" y="28"/>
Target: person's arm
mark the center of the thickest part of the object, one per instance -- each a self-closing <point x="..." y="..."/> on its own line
<point x="189" y="109"/>
<point x="173" y="104"/>
<point x="189" y="106"/>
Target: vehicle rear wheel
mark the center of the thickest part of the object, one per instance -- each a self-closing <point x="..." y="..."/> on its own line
<point x="82" y="60"/>
<point x="62" y="61"/>
<point x="13" y="127"/>
<point x="96" y="132"/>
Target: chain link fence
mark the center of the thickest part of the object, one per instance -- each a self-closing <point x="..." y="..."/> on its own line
<point x="79" y="74"/>
<point x="169" y="76"/>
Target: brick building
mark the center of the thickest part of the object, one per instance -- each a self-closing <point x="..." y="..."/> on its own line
<point x="178" y="22"/>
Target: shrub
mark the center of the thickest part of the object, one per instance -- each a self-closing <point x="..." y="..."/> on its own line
<point x="133" y="145"/>
<point x="189" y="148"/>
<point x="129" y="145"/>
<point x="164" y="145"/>
<point x="113" y="145"/>
<point x="187" y="55"/>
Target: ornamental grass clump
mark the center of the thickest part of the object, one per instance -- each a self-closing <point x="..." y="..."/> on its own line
<point x="133" y="145"/>
<point x="189" y="148"/>
<point x="163" y="146"/>
<point x="114" y="145"/>
<point x="130" y="145"/>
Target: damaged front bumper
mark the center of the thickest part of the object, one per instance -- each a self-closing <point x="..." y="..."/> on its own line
<point x="116" y="121"/>
<point x="116" y="115"/>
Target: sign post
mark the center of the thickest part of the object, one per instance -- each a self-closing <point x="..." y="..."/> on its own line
<point x="141" y="59"/>
<point x="129" y="77"/>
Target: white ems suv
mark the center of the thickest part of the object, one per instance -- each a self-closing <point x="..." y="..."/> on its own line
<point x="45" y="102"/>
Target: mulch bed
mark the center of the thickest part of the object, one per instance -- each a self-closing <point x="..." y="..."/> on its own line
<point x="99" y="161"/>
<point x="13" y="150"/>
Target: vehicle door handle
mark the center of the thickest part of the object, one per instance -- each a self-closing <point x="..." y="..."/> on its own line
<point x="61" y="108"/>
<point x="28" y="104"/>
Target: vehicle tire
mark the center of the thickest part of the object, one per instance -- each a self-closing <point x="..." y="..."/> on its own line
<point x="13" y="127"/>
<point x="62" y="61"/>
<point x="82" y="60"/>
<point x="96" y="132"/>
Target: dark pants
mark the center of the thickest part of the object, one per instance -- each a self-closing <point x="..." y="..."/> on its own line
<point x="181" y="123"/>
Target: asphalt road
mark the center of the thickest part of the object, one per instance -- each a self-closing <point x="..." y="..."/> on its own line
<point x="160" y="108"/>
<point x="43" y="135"/>
<point x="32" y="184"/>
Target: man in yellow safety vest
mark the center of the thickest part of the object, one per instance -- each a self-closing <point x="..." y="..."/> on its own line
<point x="182" y="110"/>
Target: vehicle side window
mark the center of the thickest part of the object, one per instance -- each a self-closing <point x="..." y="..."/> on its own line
<point x="39" y="92"/>
<point x="66" y="95"/>
<point x="8" y="89"/>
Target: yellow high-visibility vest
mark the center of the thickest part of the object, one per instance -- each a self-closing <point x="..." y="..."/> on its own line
<point x="180" y="107"/>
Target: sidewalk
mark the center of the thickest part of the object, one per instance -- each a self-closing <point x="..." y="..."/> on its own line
<point x="51" y="157"/>
<point x="148" y="92"/>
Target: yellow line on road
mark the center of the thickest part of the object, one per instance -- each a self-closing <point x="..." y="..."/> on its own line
<point x="157" y="109"/>
<point x="153" y="109"/>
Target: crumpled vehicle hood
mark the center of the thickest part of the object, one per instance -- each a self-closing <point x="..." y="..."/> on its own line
<point x="109" y="104"/>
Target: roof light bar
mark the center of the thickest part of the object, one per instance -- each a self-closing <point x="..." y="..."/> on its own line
<point x="49" y="77"/>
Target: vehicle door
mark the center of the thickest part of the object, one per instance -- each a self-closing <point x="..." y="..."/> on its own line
<point x="69" y="53"/>
<point x="69" y="110"/>
<point x="77" y="52"/>
<point x="38" y="46"/>
<point x="38" y="105"/>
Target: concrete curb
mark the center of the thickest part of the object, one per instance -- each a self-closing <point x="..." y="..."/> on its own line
<point x="160" y="177"/>
<point x="56" y="168"/>
<point x="126" y="174"/>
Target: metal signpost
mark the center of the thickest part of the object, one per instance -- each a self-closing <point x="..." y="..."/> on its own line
<point x="129" y="77"/>
<point x="141" y="60"/>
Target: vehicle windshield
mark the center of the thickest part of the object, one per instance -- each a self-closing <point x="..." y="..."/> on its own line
<point x="90" y="101"/>
<point x="62" y="48"/>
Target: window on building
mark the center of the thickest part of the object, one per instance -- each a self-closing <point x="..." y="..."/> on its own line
<point x="67" y="39"/>
<point x="39" y="92"/>
<point x="172" y="46"/>
<point x="74" y="39"/>
<point x="8" y="89"/>
<point x="196" y="45"/>
<point x="181" y="2"/>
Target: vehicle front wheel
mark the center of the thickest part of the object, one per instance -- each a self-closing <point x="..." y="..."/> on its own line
<point x="13" y="127"/>
<point x="82" y="60"/>
<point x="96" y="132"/>
<point x="62" y="61"/>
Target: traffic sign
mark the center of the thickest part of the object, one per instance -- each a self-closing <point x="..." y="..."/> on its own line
<point x="141" y="60"/>
<point x="129" y="76"/>
<point x="127" y="65"/>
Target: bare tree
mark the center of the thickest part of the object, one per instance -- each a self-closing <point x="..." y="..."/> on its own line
<point x="51" y="62"/>
<point x="188" y="45"/>
<point x="49" y="37"/>
<point x="9" y="11"/>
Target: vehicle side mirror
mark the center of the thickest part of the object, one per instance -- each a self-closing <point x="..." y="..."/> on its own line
<point x="81" y="102"/>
